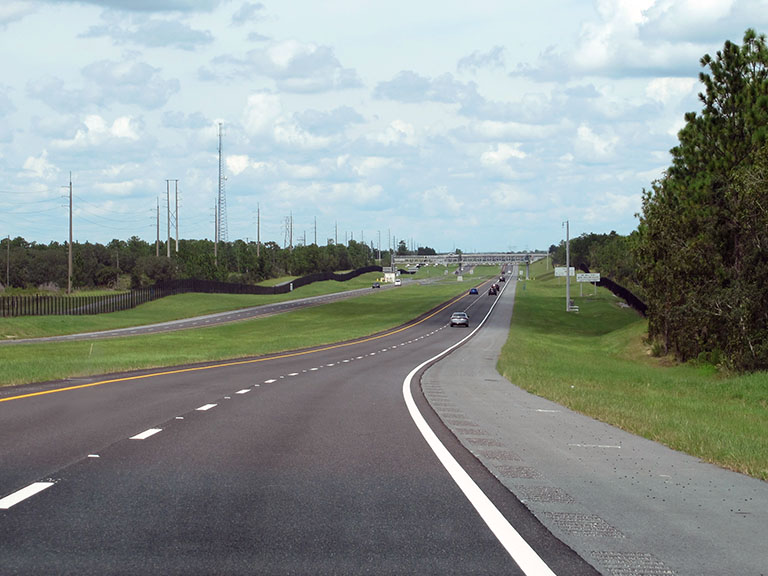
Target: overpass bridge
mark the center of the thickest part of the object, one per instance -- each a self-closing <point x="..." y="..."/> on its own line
<point x="471" y="259"/>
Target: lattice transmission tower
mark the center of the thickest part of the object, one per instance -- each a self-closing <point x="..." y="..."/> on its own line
<point x="221" y="204"/>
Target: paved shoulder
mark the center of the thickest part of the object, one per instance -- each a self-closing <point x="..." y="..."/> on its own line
<point x="625" y="504"/>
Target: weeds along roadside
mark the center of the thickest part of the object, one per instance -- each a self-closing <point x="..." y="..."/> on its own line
<point x="595" y="362"/>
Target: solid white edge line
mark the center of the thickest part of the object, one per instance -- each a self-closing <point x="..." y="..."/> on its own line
<point x="23" y="494"/>
<point x="520" y="551"/>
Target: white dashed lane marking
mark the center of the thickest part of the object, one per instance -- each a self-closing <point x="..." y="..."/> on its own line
<point x="23" y="494"/>
<point x="146" y="434"/>
<point x="37" y="487"/>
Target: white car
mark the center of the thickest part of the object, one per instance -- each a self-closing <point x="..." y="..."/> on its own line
<point x="459" y="319"/>
<point x="397" y="282"/>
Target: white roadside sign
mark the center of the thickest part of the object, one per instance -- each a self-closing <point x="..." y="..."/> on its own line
<point x="588" y="277"/>
<point x="560" y="271"/>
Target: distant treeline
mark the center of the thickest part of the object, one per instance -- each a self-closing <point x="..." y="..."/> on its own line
<point x="45" y="266"/>
<point x="699" y="258"/>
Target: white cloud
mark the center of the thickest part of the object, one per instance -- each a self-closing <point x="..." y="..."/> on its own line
<point x="340" y="112"/>
<point x="96" y="131"/>
<point x="439" y="201"/>
<point x="262" y="111"/>
<point x="294" y="67"/>
<point x="13" y="10"/>
<point x="116" y="189"/>
<point x="637" y="38"/>
<point x="670" y="90"/>
<point x="151" y="5"/>
<point x="611" y="206"/>
<point x="494" y="58"/>
<point x="506" y="196"/>
<point x="39" y="167"/>
<point x="398" y="132"/>
<point x="591" y="146"/>
<point x="502" y="154"/>
<point x="370" y="165"/>
<point x="149" y="32"/>
<point x="237" y="163"/>
<point x="490" y="130"/>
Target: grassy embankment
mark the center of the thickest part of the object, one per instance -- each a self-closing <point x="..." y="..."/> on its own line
<point x="596" y="362"/>
<point x="353" y="318"/>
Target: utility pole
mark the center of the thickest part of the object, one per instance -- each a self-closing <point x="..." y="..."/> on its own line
<point x="221" y="212"/>
<point x="290" y="245"/>
<point x="168" y="216"/>
<point x="315" y="230"/>
<point x="69" y="259"/>
<point x="216" y="234"/>
<point x="8" y="264"/>
<point x="567" y="267"/>
<point x="176" y="216"/>
<point x="157" y="242"/>
<point x="258" y="229"/>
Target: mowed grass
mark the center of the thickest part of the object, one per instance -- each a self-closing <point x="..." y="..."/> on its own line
<point x="596" y="363"/>
<point x="193" y="304"/>
<point x="354" y="318"/>
<point x="165" y="309"/>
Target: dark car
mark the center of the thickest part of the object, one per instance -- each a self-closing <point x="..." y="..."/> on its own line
<point x="473" y="290"/>
<point x="459" y="319"/>
<point x="501" y="279"/>
<point x="492" y="291"/>
<point x="375" y="285"/>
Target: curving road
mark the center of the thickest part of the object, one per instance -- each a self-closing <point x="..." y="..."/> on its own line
<point x="304" y="463"/>
<point x="318" y="462"/>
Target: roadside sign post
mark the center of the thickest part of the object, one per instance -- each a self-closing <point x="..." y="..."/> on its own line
<point x="591" y="277"/>
<point x="569" y="272"/>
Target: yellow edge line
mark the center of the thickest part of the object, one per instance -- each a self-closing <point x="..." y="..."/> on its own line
<point x="237" y="363"/>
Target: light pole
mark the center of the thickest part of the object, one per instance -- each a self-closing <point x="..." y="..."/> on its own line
<point x="568" y="307"/>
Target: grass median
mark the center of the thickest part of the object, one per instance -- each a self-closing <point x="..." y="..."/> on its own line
<point x="348" y="319"/>
<point x="165" y="309"/>
<point x="595" y="362"/>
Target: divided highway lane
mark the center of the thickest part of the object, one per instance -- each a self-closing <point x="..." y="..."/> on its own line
<point x="297" y="464"/>
<point x="202" y="321"/>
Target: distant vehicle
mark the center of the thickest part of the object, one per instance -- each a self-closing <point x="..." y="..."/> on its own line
<point x="375" y="285"/>
<point x="398" y="282"/>
<point x="501" y="279"/>
<point x="473" y="290"/>
<point x="459" y="319"/>
<point x="492" y="291"/>
<point x="497" y="287"/>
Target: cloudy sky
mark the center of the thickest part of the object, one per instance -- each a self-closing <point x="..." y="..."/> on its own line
<point x="475" y="125"/>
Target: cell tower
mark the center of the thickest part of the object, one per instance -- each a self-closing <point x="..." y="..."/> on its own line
<point x="221" y="213"/>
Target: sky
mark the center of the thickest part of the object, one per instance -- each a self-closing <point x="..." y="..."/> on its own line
<point x="480" y="126"/>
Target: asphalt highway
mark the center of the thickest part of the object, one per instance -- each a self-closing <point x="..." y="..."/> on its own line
<point x="301" y="463"/>
<point x="404" y="453"/>
<point x="202" y="321"/>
